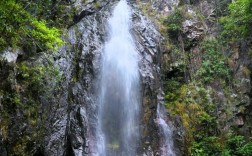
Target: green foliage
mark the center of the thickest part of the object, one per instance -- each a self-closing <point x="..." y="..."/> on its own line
<point x="174" y="21"/>
<point x="191" y="103"/>
<point x="48" y="38"/>
<point x="222" y="7"/>
<point x="196" y="104"/>
<point x="207" y="147"/>
<point x="37" y="77"/>
<point x="172" y="87"/>
<point x="25" y="24"/>
<point x="230" y="145"/>
<point x="18" y="26"/>
<point x="214" y="64"/>
<point x="238" y="23"/>
<point x="33" y="81"/>
<point x="12" y="21"/>
<point x="246" y="149"/>
<point x="235" y="144"/>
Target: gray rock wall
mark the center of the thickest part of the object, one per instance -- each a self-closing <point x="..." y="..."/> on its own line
<point x="72" y="128"/>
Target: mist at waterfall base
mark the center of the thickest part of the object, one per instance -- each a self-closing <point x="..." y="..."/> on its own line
<point x="118" y="116"/>
<point x="118" y="133"/>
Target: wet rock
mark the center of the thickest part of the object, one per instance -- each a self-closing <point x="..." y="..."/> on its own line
<point x="77" y="130"/>
<point x="148" y="41"/>
<point x="77" y="107"/>
<point x="179" y="138"/>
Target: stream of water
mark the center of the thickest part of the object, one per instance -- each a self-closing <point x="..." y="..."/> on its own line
<point x="119" y="96"/>
<point x="118" y="116"/>
<point x="166" y="141"/>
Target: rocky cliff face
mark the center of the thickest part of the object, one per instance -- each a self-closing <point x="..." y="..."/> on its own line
<point x="61" y="118"/>
<point x="199" y="22"/>
<point x="75" y="121"/>
<point x="195" y="30"/>
<point x="70" y="116"/>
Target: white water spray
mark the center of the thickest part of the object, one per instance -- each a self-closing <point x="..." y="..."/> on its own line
<point x="118" y="116"/>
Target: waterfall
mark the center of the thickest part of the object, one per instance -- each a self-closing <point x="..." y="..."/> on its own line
<point x="118" y="115"/>
<point x="166" y="141"/>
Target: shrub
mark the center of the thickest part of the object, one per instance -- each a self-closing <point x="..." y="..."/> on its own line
<point x="190" y="102"/>
<point x="214" y="64"/>
<point x="173" y="22"/>
<point x="238" y="23"/>
<point x="207" y="147"/>
<point x="18" y="26"/>
<point x="36" y="77"/>
<point x="231" y="145"/>
<point x="47" y="37"/>
<point x="246" y="149"/>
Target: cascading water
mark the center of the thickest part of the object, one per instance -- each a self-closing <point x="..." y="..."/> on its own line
<point x="118" y="115"/>
<point x="166" y="144"/>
